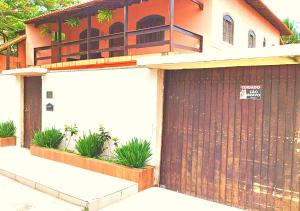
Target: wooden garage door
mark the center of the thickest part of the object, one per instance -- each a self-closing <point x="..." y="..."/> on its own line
<point x="244" y="153"/>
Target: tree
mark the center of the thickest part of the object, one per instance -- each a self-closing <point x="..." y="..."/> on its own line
<point x="295" y="36"/>
<point x="13" y="13"/>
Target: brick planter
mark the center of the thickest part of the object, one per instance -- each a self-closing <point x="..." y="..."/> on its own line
<point x="11" y="141"/>
<point x="144" y="177"/>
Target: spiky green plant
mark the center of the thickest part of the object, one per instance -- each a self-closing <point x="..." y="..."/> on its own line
<point x="72" y="22"/>
<point x="104" y="15"/>
<point x="91" y="145"/>
<point x="50" y="138"/>
<point x="7" y="129"/>
<point x="134" y="154"/>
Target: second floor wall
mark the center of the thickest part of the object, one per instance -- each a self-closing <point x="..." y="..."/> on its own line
<point x="207" y="22"/>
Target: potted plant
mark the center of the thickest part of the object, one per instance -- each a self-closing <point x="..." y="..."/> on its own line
<point x="128" y="162"/>
<point x="7" y="134"/>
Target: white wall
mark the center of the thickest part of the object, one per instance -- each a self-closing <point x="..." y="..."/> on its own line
<point x="10" y="104"/>
<point x="123" y="100"/>
<point x="245" y="19"/>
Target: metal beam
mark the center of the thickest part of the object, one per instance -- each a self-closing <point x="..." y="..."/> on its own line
<point x="88" y="37"/>
<point x="125" y="28"/>
<point x="59" y="26"/>
<point x="171" y="13"/>
<point x="200" y="4"/>
<point x="8" y="51"/>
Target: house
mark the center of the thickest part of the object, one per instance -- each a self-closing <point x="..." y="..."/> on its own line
<point x="169" y="72"/>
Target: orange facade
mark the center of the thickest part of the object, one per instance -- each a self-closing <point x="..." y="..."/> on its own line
<point x="206" y="22"/>
<point x="15" y="61"/>
<point x="196" y="21"/>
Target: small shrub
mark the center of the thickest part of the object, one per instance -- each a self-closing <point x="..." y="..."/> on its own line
<point x="7" y="129"/>
<point x="91" y="145"/>
<point x="134" y="154"/>
<point x="50" y="138"/>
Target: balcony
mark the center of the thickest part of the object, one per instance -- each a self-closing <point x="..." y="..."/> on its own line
<point x="130" y="32"/>
<point x="54" y="52"/>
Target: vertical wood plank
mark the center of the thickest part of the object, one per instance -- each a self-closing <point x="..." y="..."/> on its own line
<point x="212" y="136"/>
<point x="202" y="103"/>
<point x="224" y="136"/>
<point x="190" y="117"/>
<point x="257" y="160"/>
<point x="250" y="142"/>
<point x="281" y="136"/>
<point x="218" y="133"/>
<point x="195" y="131"/>
<point x="208" y="103"/>
<point x="273" y="137"/>
<point x="237" y="138"/>
<point x="244" y="141"/>
<point x="232" y="96"/>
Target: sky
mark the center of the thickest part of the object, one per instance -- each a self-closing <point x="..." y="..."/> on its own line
<point x="285" y="9"/>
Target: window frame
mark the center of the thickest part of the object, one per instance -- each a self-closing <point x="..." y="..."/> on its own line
<point x="148" y="22"/>
<point x="251" y="39"/>
<point x="228" y="29"/>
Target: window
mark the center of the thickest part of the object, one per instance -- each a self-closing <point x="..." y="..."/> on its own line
<point x="147" y="22"/>
<point x="228" y="29"/>
<point x="265" y="42"/>
<point x="251" y="39"/>
<point x="93" y="45"/>
<point x="115" y="28"/>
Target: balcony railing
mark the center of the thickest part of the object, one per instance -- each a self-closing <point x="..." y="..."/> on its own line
<point x="171" y="42"/>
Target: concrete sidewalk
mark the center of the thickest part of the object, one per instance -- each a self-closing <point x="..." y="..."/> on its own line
<point x="17" y="197"/>
<point x="74" y="185"/>
<point x="162" y="199"/>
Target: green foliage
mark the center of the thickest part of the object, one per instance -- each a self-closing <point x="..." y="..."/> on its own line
<point x="50" y="138"/>
<point x="13" y="13"/>
<point x="44" y="30"/>
<point x="7" y="129"/>
<point x="134" y="154"/>
<point x="91" y="145"/>
<point x="295" y="37"/>
<point x="72" y="22"/>
<point x="70" y="132"/>
<point x="104" y="15"/>
<point x="54" y="36"/>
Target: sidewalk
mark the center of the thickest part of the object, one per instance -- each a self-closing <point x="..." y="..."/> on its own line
<point x="17" y="197"/>
<point x="161" y="199"/>
<point x="75" y="185"/>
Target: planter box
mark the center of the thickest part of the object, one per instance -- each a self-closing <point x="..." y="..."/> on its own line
<point x="144" y="177"/>
<point x="11" y="141"/>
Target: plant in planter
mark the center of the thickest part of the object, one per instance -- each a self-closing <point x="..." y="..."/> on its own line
<point x="7" y="134"/>
<point x="44" y="30"/>
<point x="91" y="145"/>
<point x="94" y="144"/>
<point x="73" y="22"/>
<point x="50" y="138"/>
<point x="104" y="15"/>
<point x="7" y="129"/>
<point x="134" y="154"/>
<point x="71" y="132"/>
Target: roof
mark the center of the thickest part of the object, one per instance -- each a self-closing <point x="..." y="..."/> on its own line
<point x="264" y="11"/>
<point x="83" y="8"/>
<point x="12" y="42"/>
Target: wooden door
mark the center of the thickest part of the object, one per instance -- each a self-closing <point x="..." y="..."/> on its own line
<point x="243" y="153"/>
<point x="32" y="107"/>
